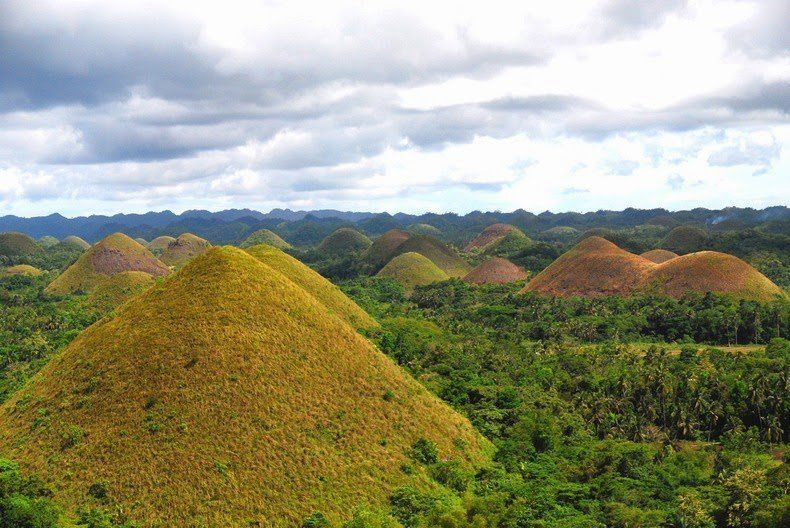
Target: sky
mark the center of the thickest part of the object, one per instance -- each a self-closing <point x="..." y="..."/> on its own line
<point x="406" y="106"/>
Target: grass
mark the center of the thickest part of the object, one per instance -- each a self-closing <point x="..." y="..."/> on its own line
<point x="183" y="249"/>
<point x="227" y="395"/>
<point x="344" y="240"/>
<point x="384" y="247"/>
<point x="496" y="270"/>
<point x="13" y="244"/>
<point x="113" y="291"/>
<point x="265" y="236"/>
<point x="424" y="229"/>
<point x="658" y="255"/>
<point x="411" y="270"/>
<point x="114" y="254"/>
<point x="445" y="258"/>
<point x="324" y="291"/>
<point x="22" y="269"/>
<point x="143" y="242"/>
<point x="510" y="244"/>
<point x="489" y="235"/>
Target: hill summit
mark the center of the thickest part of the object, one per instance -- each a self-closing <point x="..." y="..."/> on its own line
<point x="489" y="235"/>
<point x="112" y="255"/>
<point x="344" y="240"/>
<point x="227" y="395"/>
<point x="265" y="236"/>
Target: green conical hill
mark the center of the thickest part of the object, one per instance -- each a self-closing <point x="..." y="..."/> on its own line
<point x="48" y="241"/>
<point x="112" y="255"/>
<point x="445" y="258"/>
<point x="226" y="396"/>
<point x="13" y="244"/>
<point x="265" y="236"/>
<point x="412" y="269"/>
<point x="424" y="229"/>
<point x="344" y="240"/>
<point x="327" y="293"/>
<point x="73" y="240"/>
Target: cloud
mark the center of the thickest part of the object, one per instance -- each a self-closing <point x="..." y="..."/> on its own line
<point x="676" y="182"/>
<point x="760" y="148"/>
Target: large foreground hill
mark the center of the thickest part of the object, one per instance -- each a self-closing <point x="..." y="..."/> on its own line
<point x="227" y="395"/>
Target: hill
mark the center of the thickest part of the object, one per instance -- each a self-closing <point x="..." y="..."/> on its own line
<point x="510" y="244"/>
<point x="22" y="269"/>
<point x="113" y="254"/>
<point x="14" y="244"/>
<point x="424" y="229"/>
<point x="412" y="269"/>
<point x="73" y="240"/>
<point x="48" y="241"/>
<point x="383" y="248"/>
<point x="327" y="293"/>
<point x="496" y="270"/>
<point x="592" y="267"/>
<point x="439" y="253"/>
<point x="265" y="236"/>
<point x="344" y="240"/>
<point x="183" y="249"/>
<point x="490" y="234"/>
<point x="658" y="255"/>
<point x="712" y="271"/>
<point x="160" y="243"/>
<point x="143" y="242"/>
<point x="226" y="396"/>
<point x="685" y="239"/>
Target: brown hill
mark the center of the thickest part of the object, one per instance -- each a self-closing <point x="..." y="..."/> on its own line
<point x="490" y="234"/>
<point x="496" y="270"/>
<point x="112" y="255"/>
<point x="711" y="271"/>
<point x="658" y="255"/>
<point x="592" y="267"/>
<point x="383" y="248"/>
<point x="226" y="396"/>
<point x="183" y="249"/>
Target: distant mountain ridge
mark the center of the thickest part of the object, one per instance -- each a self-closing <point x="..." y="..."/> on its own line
<point x="310" y="227"/>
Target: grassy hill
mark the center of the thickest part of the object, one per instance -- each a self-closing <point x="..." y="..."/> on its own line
<point x="73" y="240"/>
<point x="143" y="242"/>
<point x="265" y="236"/>
<point x="323" y="290"/>
<point x="510" y="244"/>
<point x="22" y="269"/>
<point x="496" y="270"/>
<point x="686" y="239"/>
<point x="14" y="244"/>
<point x="343" y="241"/>
<point x="160" y="243"/>
<point x="658" y="255"/>
<point x="383" y="248"/>
<point x="424" y="229"/>
<point x="227" y="396"/>
<point x="592" y="267"/>
<point x="489" y="235"/>
<point x="712" y="271"/>
<point x="113" y="254"/>
<point x="183" y="249"/>
<point x="445" y="258"/>
<point x="412" y="269"/>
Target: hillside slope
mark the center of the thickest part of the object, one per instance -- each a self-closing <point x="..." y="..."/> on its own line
<point x="226" y="396"/>
<point x="327" y="293"/>
<point x="412" y="269"/>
